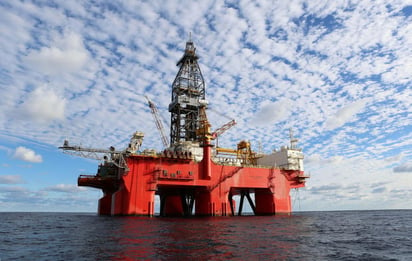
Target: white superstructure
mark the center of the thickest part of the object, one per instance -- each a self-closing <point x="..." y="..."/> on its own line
<point x="285" y="158"/>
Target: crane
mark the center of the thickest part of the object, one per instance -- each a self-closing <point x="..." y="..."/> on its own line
<point x="204" y="125"/>
<point x="158" y="122"/>
<point x="110" y="155"/>
<point x="219" y="131"/>
<point x="223" y="128"/>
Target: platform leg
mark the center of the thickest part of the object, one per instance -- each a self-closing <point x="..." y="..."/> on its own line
<point x="232" y="209"/>
<point x="242" y="197"/>
<point x="252" y="205"/>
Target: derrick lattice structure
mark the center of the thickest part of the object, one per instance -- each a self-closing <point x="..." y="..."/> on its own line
<point x="188" y="90"/>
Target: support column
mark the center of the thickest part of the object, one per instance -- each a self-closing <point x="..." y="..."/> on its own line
<point x="252" y="205"/>
<point x="171" y="205"/>
<point x="231" y="203"/>
<point x="187" y="199"/>
<point x="265" y="202"/>
<point x="203" y="204"/>
<point x="207" y="162"/>
<point x="283" y="205"/>
<point x="105" y="204"/>
<point x="243" y="194"/>
<point x="282" y="194"/>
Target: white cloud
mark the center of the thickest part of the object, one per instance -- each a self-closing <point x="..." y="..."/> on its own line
<point x="17" y="198"/>
<point x="23" y="153"/>
<point x="11" y="179"/>
<point x="42" y="105"/>
<point x="353" y="183"/>
<point x="395" y="158"/>
<point x="65" y="55"/>
<point x="17" y="190"/>
<point x="4" y="147"/>
<point x="405" y="167"/>
<point x="345" y="114"/>
<point x="271" y="112"/>
<point x="66" y="188"/>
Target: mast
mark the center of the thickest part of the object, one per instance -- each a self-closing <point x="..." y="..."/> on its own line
<point x="188" y="90"/>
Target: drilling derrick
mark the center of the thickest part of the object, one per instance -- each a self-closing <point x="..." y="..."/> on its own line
<point x="188" y="90"/>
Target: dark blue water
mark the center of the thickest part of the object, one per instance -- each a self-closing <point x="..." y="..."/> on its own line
<point x="343" y="235"/>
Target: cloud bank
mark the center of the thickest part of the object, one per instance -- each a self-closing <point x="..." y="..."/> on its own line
<point x="42" y="105"/>
<point x="66" y="54"/>
<point x="11" y="179"/>
<point x="405" y="167"/>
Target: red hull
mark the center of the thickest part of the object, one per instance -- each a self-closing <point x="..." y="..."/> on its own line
<point x="186" y="186"/>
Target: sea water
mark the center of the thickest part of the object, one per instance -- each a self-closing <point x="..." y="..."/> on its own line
<point x="338" y="235"/>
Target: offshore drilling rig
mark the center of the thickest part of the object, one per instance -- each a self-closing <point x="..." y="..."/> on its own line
<point x="192" y="176"/>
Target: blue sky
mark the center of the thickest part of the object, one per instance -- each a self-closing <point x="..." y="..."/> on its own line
<point x="337" y="72"/>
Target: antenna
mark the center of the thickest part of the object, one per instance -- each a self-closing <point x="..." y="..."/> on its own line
<point x="260" y="147"/>
<point x="293" y="141"/>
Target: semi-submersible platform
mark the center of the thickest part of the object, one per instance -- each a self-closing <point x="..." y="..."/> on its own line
<point x="192" y="176"/>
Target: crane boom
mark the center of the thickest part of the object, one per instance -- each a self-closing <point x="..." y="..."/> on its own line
<point x="219" y="131"/>
<point x="158" y="122"/>
<point x="116" y="157"/>
<point x="223" y="128"/>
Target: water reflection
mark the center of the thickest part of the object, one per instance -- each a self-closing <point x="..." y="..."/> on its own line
<point x="343" y="235"/>
<point x="217" y="238"/>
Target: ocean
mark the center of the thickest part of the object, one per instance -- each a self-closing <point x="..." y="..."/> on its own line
<point x="336" y="235"/>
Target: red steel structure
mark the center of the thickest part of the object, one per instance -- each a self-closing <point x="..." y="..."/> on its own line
<point x="192" y="176"/>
